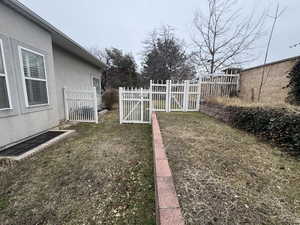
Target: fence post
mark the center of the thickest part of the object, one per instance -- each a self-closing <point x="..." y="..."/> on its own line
<point x="150" y="95"/>
<point x="95" y="104"/>
<point x="150" y="102"/>
<point x="121" y="104"/>
<point x="238" y="84"/>
<point x="185" y="96"/>
<point x="142" y="105"/>
<point x="66" y="104"/>
<point x="199" y="94"/>
<point x="168" y="95"/>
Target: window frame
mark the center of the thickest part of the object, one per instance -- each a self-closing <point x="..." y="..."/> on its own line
<point x="97" y="78"/>
<point x="20" y="48"/>
<point x="6" y="78"/>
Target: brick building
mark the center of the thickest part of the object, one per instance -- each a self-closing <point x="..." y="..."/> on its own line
<point x="275" y="80"/>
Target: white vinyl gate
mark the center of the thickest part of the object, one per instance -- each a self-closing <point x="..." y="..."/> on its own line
<point x="168" y="96"/>
<point x="81" y="105"/>
<point x="184" y="95"/>
<point x="136" y="105"/>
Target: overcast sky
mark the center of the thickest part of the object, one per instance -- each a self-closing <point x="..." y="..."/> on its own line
<point x="125" y="24"/>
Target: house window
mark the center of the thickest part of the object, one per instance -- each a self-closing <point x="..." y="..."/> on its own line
<point x="97" y="85"/>
<point x="4" y="89"/>
<point x="35" y="78"/>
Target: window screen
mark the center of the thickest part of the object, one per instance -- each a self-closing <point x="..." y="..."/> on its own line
<point x="4" y="102"/>
<point x="1" y="60"/>
<point x="4" y="97"/>
<point x="36" y="92"/>
<point x="33" y="65"/>
<point x="35" y="77"/>
<point x="96" y="84"/>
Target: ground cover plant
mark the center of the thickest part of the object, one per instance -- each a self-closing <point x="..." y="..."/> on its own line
<point x="278" y="124"/>
<point x="103" y="175"/>
<point x="294" y="85"/>
<point x="225" y="176"/>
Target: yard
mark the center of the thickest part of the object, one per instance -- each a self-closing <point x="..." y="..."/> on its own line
<point x="225" y="176"/>
<point x="103" y="175"/>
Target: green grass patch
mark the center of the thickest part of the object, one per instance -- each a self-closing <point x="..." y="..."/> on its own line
<point x="3" y="203"/>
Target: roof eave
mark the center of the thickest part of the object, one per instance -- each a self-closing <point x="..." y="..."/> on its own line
<point x="58" y="37"/>
<point x="272" y="63"/>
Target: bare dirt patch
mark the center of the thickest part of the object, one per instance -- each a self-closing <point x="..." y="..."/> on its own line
<point x="225" y="176"/>
<point x="103" y="175"/>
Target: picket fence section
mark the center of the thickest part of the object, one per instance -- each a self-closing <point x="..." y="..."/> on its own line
<point x="159" y="91"/>
<point x="170" y="95"/>
<point x="81" y="105"/>
<point x="136" y="105"/>
<point x="220" y="85"/>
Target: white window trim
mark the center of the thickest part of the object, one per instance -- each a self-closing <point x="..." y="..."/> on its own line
<point x="20" y="48"/>
<point x="6" y="78"/>
<point x="98" y="78"/>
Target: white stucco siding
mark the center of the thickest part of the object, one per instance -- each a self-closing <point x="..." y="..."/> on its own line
<point x="21" y="121"/>
<point x="14" y="129"/>
<point x="71" y="72"/>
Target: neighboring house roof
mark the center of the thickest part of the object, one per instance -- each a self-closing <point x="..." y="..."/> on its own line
<point x="58" y="38"/>
<point x="274" y="62"/>
<point x="232" y="68"/>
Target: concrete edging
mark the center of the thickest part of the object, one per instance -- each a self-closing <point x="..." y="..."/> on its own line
<point x="167" y="207"/>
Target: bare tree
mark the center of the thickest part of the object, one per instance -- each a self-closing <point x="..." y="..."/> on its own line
<point x="275" y="19"/>
<point x="295" y="45"/>
<point x="102" y="55"/>
<point x="224" y="37"/>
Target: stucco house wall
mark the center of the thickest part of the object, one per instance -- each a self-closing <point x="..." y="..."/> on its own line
<point x="69" y="65"/>
<point x="273" y="90"/>
<point x="72" y="73"/>
<point x="21" y="121"/>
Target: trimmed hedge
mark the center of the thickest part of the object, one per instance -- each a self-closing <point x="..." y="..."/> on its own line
<point x="110" y="97"/>
<point x="294" y="85"/>
<point x="276" y="125"/>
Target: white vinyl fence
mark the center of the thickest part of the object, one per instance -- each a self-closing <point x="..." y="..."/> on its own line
<point x="136" y="105"/>
<point x="170" y="95"/>
<point x="81" y="105"/>
<point x="220" y="85"/>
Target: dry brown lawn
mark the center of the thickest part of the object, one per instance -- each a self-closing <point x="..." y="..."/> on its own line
<point x="237" y="102"/>
<point x="103" y="175"/>
<point x="226" y="176"/>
